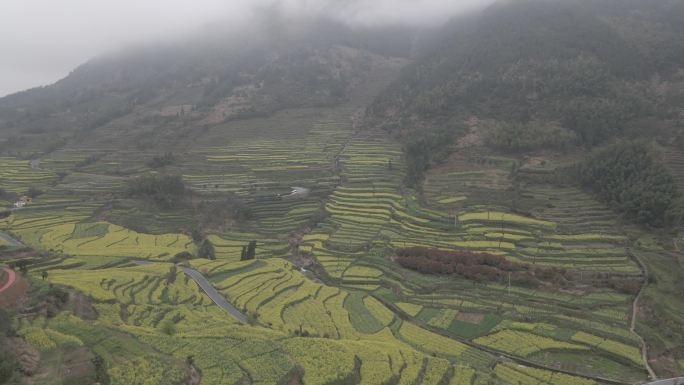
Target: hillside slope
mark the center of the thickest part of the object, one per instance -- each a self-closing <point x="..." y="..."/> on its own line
<point x="222" y="74"/>
<point x="593" y="67"/>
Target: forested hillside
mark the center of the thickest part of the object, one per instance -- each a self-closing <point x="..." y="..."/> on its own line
<point x="593" y="68"/>
<point x="220" y="74"/>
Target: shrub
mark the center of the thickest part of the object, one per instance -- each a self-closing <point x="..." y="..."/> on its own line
<point x="168" y="327"/>
<point x="160" y="161"/>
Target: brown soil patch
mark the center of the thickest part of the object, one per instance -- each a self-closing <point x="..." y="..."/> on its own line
<point x="472" y="318"/>
<point x="14" y="294"/>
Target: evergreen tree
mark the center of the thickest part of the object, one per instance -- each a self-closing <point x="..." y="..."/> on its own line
<point x="251" y="250"/>
<point x="206" y="250"/>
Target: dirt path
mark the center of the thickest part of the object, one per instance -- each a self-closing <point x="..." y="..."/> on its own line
<point x="11" y="278"/>
<point x="635" y="312"/>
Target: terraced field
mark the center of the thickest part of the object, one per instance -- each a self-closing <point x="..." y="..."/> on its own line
<point x="17" y="176"/>
<point x="326" y="300"/>
<point x="564" y="229"/>
<point x="299" y="326"/>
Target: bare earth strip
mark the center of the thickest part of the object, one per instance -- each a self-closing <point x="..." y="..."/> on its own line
<point x="11" y="277"/>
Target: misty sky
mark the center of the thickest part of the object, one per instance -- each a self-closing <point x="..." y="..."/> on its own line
<point x="42" y="40"/>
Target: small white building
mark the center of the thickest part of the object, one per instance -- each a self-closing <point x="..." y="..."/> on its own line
<point x="22" y="202"/>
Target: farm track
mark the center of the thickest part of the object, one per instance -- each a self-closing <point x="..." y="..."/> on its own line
<point x="635" y="312"/>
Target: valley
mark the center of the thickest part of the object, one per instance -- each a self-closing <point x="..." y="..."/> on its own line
<point x="274" y="223"/>
<point x="434" y="327"/>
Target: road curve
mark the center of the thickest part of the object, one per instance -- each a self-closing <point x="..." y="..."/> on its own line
<point x="11" y="277"/>
<point x="11" y="241"/>
<point x="215" y="296"/>
<point x="206" y="287"/>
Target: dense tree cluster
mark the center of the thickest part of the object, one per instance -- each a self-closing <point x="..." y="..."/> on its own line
<point x="166" y="191"/>
<point x="629" y="178"/>
<point x="216" y="213"/>
<point x="249" y="251"/>
<point x="482" y="267"/>
<point x="206" y="250"/>
<point x="474" y="266"/>
<point x="423" y="149"/>
<point x="533" y="135"/>
<point x="587" y="66"/>
<point x="160" y="161"/>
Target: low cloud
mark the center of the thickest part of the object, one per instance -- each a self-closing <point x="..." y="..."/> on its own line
<point x="42" y="40"/>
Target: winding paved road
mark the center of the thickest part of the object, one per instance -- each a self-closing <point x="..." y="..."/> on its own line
<point x="206" y="287"/>
<point x="215" y="296"/>
<point x="11" y="241"/>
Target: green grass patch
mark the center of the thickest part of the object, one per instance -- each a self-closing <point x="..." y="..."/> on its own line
<point x="360" y="316"/>
<point x="471" y="330"/>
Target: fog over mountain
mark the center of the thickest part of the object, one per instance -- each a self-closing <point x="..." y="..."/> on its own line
<point x="60" y="36"/>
